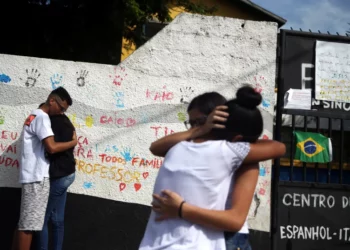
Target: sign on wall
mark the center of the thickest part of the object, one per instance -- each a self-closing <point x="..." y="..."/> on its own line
<point x="332" y="68"/>
<point x="313" y="217"/>
<point x="298" y="69"/>
<point x="119" y="111"/>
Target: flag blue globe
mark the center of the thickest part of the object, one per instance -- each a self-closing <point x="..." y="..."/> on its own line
<point x="310" y="147"/>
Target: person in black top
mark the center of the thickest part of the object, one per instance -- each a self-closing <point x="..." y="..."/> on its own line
<point x="62" y="175"/>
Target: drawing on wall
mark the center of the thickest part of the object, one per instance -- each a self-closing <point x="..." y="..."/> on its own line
<point x="127" y="154"/>
<point x="81" y="79"/>
<point x="118" y="76"/>
<point x="89" y="121"/>
<point x="88" y="185"/>
<point x="181" y="116"/>
<point x="117" y="122"/>
<point x="257" y="203"/>
<point x="260" y="84"/>
<point x="119" y="99"/>
<point x="4" y="78"/>
<point x="32" y="77"/>
<point x="186" y="95"/>
<point x="2" y="116"/>
<point x="56" y="81"/>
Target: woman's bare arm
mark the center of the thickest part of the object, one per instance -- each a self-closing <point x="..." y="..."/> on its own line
<point x="264" y="150"/>
<point x="227" y="220"/>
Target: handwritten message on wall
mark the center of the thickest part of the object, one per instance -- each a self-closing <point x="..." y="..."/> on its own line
<point x="118" y="111"/>
<point x="332" y="81"/>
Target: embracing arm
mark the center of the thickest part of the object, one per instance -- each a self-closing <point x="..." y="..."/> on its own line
<point x="223" y="220"/>
<point x="264" y="150"/>
<point x="53" y="147"/>
<point x="162" y="146"/>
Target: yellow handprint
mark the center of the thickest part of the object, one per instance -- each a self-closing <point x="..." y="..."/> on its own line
<point x="89" y="121"/>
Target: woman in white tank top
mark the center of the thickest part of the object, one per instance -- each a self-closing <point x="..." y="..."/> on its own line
<point x="201" y="171"/>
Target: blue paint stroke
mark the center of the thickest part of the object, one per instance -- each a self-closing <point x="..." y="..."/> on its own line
<point x="262" y="171"/>
<point x="5" y="78"/>
<point x="119" y="99"/>
<point x="109" y="149"/>
<point x="87" y="185"/>
<point x="127" y="154"/>
<point x="144" y="118"/>
<point x="265" y="103"/>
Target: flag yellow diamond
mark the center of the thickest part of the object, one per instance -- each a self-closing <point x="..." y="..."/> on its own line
<point x="310" y="147"/>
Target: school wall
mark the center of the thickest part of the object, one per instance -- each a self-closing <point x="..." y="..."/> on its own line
<point x="119" y="110"/>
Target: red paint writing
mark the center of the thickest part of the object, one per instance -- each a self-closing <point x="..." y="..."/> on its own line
<point x="8" y="135"/>
<point x="155" y="163"/>
<point x="83" y="152"/>
<point x="163" y="131"/>
<point x="159" y="95"/>
<point x="127" y="122"/>
<point x="8" y="148"/>
<point x="82" y="141"/>
<point x="8" y="162"/>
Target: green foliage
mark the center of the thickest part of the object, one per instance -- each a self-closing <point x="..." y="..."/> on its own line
<point x="138" y="12"/>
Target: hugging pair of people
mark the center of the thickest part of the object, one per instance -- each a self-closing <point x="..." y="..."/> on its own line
<point x="205" y="187"/>
<point x="47" y="169"/>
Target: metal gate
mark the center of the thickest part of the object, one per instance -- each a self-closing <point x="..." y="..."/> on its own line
<point x="310" y="202"/>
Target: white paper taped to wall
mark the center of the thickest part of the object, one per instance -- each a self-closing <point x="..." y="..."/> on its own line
<point x="332" y="69"/>
<point x="297" y="99"/>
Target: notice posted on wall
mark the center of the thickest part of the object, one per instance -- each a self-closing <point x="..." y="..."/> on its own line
<point x="332" y="80"/>
<point x="297" y="99"/>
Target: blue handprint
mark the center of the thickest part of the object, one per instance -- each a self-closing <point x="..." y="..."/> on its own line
<point x="56" y="80"/>
<point x="87" y="185"/>
<point x="127" y="154"/>
<point x="266" y="103"/>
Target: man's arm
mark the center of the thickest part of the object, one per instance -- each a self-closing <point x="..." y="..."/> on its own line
<point x="42" y="128"/>
<point x="53" y="147"/>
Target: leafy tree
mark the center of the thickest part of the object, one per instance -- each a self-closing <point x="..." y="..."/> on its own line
<point x="138" y="12"/>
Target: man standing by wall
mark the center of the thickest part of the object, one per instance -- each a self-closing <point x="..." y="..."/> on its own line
<point x="37" y="136"/>
<point x="62" y="175"/>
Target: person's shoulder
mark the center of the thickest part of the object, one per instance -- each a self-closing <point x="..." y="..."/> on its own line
<point x="239" y="148"/>
<point x="37" y="114"/>
<point x="57" y="117"/>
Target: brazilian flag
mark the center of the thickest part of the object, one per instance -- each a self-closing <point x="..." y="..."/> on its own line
<point x="313" y="147"/>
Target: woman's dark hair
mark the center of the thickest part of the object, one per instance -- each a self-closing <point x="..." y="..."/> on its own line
<point x="244" y="118"/>
<point x="207" y="102"/>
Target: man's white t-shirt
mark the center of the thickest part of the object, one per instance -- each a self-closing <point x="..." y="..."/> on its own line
<point x="34" y="166"/>
<point x="201" y="173"/>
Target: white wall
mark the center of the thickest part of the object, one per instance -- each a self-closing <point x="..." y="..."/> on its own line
<point x="120" y="110"/>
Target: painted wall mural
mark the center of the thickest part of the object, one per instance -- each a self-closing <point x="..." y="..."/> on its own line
<point x="119" y="110"/>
